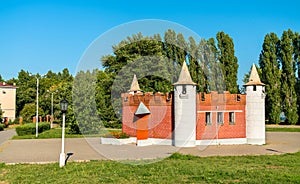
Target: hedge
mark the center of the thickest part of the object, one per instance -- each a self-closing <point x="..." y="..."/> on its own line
<point x="2" y="126"/>
<point x="29" y="129"/>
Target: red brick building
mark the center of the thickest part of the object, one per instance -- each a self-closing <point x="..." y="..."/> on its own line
<point x="220" y="118"/>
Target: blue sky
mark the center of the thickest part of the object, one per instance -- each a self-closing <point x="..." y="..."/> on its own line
<point x="43" y="35"/>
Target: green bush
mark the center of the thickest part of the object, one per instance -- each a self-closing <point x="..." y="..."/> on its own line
<point x="29" y="129"/>
<point x="16" y="121"/>
<point x="117" y="135"/>
<point x="10" y="122"/>
<point x="2" y="126"/>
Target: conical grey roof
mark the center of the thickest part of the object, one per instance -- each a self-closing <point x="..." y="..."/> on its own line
<point x="135" y="84"/>
<point x="184" y="77"/>
<point x="254" y="78"/>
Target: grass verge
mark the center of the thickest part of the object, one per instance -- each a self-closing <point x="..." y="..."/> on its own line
<point x="56" y="133"/>
<point x="175" y="169"/>
<point x="282" y="129"/>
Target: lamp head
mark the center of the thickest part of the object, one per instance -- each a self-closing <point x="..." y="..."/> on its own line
<point x="64" y="105"/>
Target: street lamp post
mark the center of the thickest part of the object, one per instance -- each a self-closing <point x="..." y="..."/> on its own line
<point x="37" y="105"/>
<point x="64" y="109"/>
<point x="37" y="108"/>
<point x="52" y="117"/>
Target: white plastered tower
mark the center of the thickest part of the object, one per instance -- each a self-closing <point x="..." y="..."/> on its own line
<point x="255" y="109"/>
<point x="184" y="110"/>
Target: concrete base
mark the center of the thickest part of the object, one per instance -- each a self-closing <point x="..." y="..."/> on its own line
<point x="154" y="141"/>
<point x="145" y="142"/>
<point x="170" y="142"/>
<point x="222" y="141"/>
<point x="255" y="141"/>
<point x="114" y="141"/>
<point x="184" y="144"/>
<point x="62" y="158"/>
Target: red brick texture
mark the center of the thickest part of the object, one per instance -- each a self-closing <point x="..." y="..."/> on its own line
<point x="160" y="121"/>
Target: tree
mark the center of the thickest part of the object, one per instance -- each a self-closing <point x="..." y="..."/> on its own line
<point x="84" y="107"/>
<point x="271" y="75"/>
<point x="103" y="100"/>
<point x="1" y="115"/>
<point x="1" y="79"/>
<point x="26" y="92"/>
<point x="228" y="60"/>
<point x="29" y="111"/>
<point x="288" y="77"/>
<point x="296" y="44"/>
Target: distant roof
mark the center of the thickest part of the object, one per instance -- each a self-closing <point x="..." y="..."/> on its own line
<point x="254" y="78"/>
<point x="184" y="77"/>
<point x="142" y="109"/>
<point x="135" y="84"/>
<point x="5" y="85"/>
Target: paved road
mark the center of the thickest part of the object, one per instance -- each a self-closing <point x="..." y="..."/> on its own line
<point x="6" y="135"/>
<point x="47" y="150"/>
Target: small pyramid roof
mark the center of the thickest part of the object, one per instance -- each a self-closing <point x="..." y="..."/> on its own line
<point x="184" y="77"/>
<point x="254" y="78"/>
<point x="142" y="109"/>
<point x="135" y="84"/>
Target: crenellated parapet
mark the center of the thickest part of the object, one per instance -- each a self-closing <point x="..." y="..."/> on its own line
<point x="225" y="98"/>
<point x="148" y="98"/>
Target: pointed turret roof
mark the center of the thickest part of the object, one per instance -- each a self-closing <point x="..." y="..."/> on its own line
<point x="184" y="77"/>
<point x="135" y="84"/>
<point x="142" y="109"/>
<point x="254" y="78"/>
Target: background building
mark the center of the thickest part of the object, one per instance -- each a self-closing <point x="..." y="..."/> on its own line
<point x="8" y="100"/>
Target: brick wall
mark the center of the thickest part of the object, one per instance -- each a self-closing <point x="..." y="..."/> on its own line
<point x="225" y="103"/>
<point x="160" y="121"/>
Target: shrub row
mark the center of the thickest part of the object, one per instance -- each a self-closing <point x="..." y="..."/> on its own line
<point x="117" y="135"/>
<point x="29" y="129"/>
<point x="2" y="126"/>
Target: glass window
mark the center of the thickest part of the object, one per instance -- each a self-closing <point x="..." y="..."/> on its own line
<point x="220" y="117"/>
<point x="231" y="118"/>
<point x="208" y="118"/>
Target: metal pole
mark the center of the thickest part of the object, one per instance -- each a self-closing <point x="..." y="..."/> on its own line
<point x="51" y="125"/>
<point x="62" y="155"/>
<point x="217" y="124"/>
<point x="37" y="108"/>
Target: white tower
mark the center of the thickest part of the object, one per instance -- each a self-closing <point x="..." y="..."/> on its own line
<point x="255" y="109"/>
<point x="184" y="110"/>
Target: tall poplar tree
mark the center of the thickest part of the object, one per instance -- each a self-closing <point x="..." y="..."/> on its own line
<point x="270" y="75"/>
<point x="296" y="44"/>
<point x="288" y="77"/>
<point x="228" y="60"/>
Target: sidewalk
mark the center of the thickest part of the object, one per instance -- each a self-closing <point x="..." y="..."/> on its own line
<point x="47" y="150"/>
<point x="7" y="134"/>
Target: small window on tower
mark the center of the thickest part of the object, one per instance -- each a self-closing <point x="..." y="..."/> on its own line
<point x="184" y="89"/>
<point x="4" y="92"/>
<point x="254" y="88"/>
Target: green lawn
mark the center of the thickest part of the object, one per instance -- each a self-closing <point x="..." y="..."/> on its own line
<point x="176" y="169"/>
<point x="282" y="129"/>
<point x="56" y="133"/>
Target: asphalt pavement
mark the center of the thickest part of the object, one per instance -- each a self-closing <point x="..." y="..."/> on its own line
<point x="86" y="149"/>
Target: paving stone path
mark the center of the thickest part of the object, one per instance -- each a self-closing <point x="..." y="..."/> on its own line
<point x="84" y="149"/>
